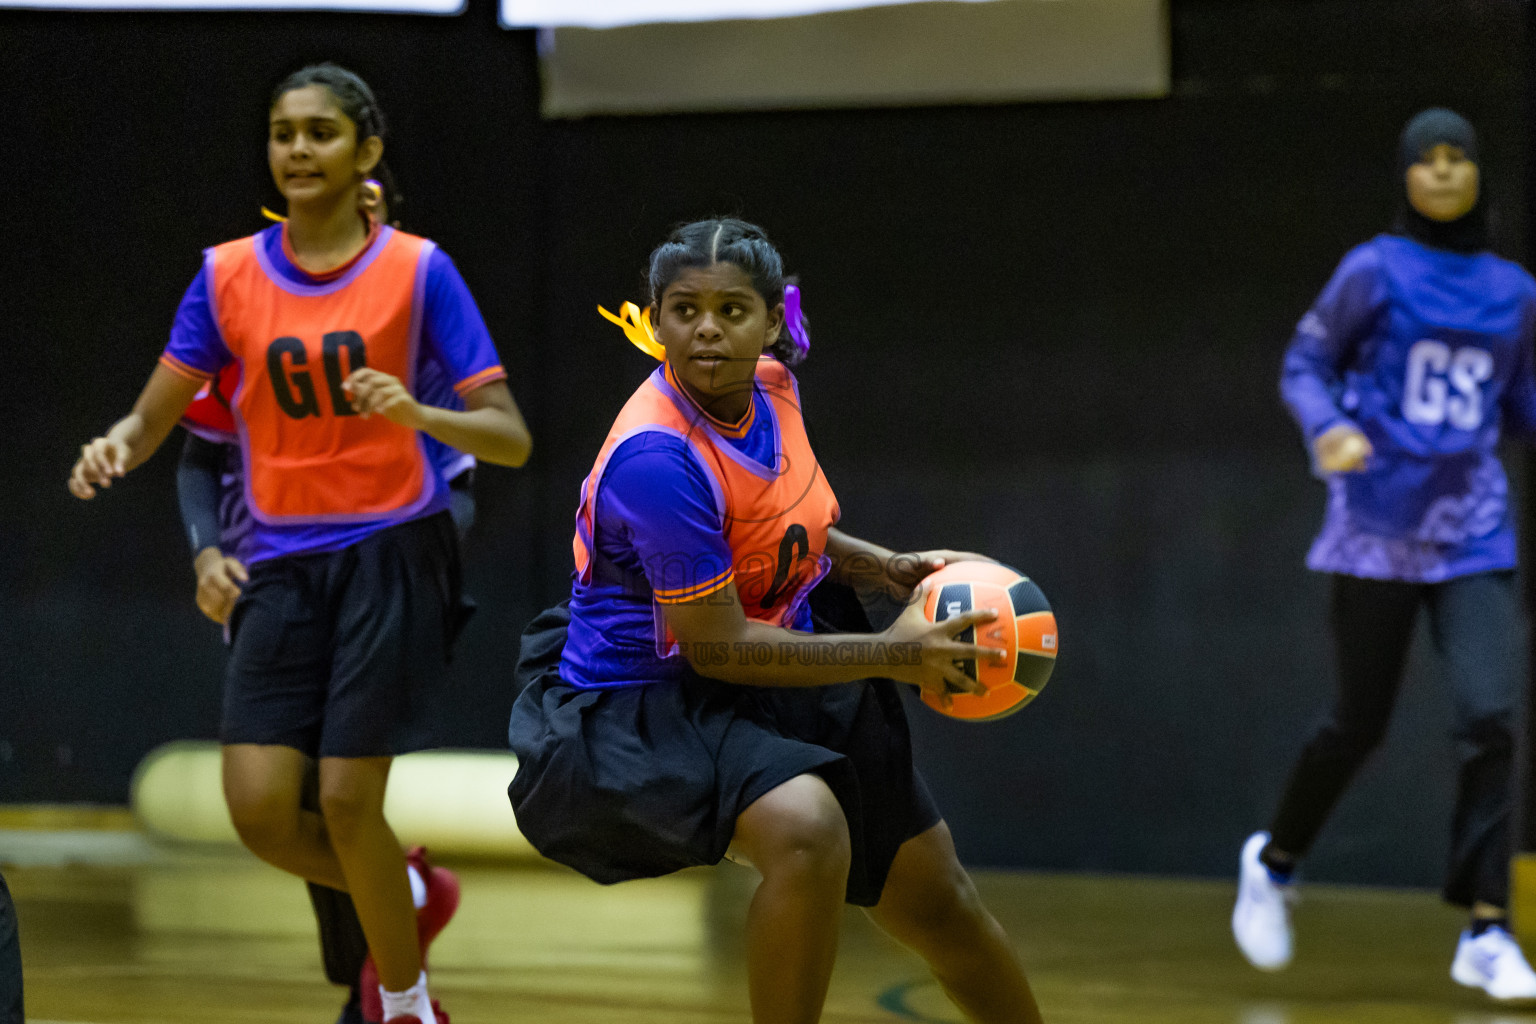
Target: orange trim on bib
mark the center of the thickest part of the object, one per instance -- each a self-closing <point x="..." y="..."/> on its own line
<point x="736" y="431"/>
<point x="484" y="377"/>
<point x="698" y="590"/>
<point x="181" y="369"/>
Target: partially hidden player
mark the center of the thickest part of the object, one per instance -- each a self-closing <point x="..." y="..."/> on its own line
<point x="683" y="711"/>
<point x="1411" y="363"/>
<point x="340" y="636"/>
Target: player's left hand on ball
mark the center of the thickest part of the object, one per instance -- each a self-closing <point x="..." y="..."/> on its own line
<point x="909" y="568"/>
<point x="373" y="391"/>
<point x="937" y="671"/>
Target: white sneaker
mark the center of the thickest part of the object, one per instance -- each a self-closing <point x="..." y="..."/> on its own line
<point x="1493" y="962"/>
<point x="1261" y="921"/>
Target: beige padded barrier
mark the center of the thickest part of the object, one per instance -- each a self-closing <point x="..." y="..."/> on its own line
<point x="454" y="802"/>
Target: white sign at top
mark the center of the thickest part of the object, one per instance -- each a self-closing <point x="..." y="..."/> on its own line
<point x="613" y="13"/>
<point x="353" y="6"/>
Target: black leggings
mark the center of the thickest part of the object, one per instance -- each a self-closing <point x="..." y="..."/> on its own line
<point x="1478" y="633"/>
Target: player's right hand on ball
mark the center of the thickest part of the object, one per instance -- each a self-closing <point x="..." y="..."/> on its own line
<point x="218" y="583"/>
<point x="100" y="461"/>
<point x="935" y="670"/>
<point x="1342" y="448"/>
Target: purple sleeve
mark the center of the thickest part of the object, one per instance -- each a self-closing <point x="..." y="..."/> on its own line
<point x="196" y="348"/>
<point x="1325" y="339"/>
<point x="657" y="497"/>
<point x="455" y="330"/>
<point x="1520" y="397"/>
<point x="434" y="388"/>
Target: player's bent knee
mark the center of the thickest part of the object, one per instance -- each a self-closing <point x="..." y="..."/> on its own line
<point x="799" y="828"/>
<point x="963" y="909"/>
<point x="951" y="907"/>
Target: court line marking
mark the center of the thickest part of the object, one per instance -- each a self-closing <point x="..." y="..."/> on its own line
<point x="894" y="1000"/>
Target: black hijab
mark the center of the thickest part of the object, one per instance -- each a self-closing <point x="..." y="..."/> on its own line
<point x="1427" y="129"/>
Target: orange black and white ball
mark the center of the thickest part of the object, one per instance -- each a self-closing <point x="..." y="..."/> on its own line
<point x="1025" y="627"/>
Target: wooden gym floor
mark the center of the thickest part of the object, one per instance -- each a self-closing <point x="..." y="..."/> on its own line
<point x="223" y="938"/>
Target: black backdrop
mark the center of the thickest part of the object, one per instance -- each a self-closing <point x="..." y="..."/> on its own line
<point x="1048" y="332"/>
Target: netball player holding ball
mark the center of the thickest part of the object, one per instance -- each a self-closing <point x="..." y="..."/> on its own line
<point x="340" y="636"/>
<point x="1413" y="360"/>
<point x="651" y="736"/>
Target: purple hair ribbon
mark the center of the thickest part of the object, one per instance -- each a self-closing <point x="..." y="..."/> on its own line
<point x="795" y="320"/>
<point x="637" y="328"/>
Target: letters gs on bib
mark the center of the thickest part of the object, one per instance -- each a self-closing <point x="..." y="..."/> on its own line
<point x="293" y="382"/>
<point x="1445" y="385"/>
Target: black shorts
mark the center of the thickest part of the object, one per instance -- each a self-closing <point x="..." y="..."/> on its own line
<point x="640" y="781"/>
<point x="342" y="654"/>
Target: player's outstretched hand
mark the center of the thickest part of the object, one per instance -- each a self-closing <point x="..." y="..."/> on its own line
<point x="936" y="671"/>
<point x="1342" y="448"/>
<point x="100" y="461"/>
<point x="373" y="391"/>
<point x="218" y="583"/>
<point x="906" y="570"/>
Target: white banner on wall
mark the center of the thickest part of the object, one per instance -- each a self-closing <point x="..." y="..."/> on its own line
<point x="353" y="6"/>
<point x="889" y="54"/>
<point x="614" y="13"/>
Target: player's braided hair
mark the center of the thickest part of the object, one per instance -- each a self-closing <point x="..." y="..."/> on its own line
<point x="357" y="101"/>
<point x="726" y="240"/>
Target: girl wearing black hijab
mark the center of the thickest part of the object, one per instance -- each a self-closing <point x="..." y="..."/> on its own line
<point x="1402" y="376"/>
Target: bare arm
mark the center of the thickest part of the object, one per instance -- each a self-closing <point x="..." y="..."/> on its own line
<point x="859" y="563"/>
<point x="719" y="641"/>
<point x="490" y="427"/>
<point x="134" y="438"/>
<point x="867" y="566"/>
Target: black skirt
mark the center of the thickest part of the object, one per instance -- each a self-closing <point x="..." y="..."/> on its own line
<point x="344" y="653"/>
<point x="639" y="781"/>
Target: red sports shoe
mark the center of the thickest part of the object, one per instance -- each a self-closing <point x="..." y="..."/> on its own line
<point x="442" y="899"/>
<point x="442" y="902"/>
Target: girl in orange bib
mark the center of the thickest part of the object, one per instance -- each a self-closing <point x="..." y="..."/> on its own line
<point x="698" y="698"/>
<point x="340" y="636"/>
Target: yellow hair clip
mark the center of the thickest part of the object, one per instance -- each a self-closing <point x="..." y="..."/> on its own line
<point x="273" y="216"/>
<point x="637" y="328"/>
